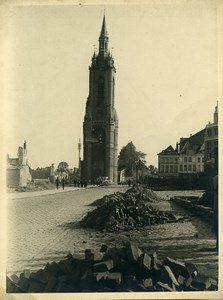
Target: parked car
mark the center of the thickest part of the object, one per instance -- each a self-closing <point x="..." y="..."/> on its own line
<point x="104" y="181"/>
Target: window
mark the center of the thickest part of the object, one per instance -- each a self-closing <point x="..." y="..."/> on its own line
<point x="189" y="168"/>
<point x="167" y="169"/>
<point x="194" y="168"/>
<point x="171" y="169"/>
<point x="175" y="168"/>
<point x="216" y="131"/>
<point x="185" y="167"/>
<point x="202" y="159"/>
<point x="161" y="168"/>
<point x="167" y="160"/>
<point x="176" y="159"/>
<point x="209" y="132"/>
<point x="185" y="159"/>
<point x="199" y="159"/>
<point x="189" y="159"/>
<point x="181" y="167"/>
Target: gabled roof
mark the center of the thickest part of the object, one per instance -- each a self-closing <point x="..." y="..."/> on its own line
<point x="168" y="151"/>
<point x="194" y="142"/>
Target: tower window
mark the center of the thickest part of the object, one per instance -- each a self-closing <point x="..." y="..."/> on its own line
<point x="101" y="90"/>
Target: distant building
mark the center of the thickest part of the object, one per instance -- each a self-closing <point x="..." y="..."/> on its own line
<point x="18" y="171"/>
<point x="211" y="143"/>
<point x="186" y="158"/>
<point x="191" y="154"/>
<point x="168" y="162"/>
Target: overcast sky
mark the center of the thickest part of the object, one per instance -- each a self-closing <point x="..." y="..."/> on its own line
<point x="166" y="81"/>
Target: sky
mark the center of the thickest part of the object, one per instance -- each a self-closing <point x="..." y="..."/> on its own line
<point x="166" y="58"/>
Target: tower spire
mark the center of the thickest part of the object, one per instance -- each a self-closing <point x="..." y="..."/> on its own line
<point x="103" y="40"/>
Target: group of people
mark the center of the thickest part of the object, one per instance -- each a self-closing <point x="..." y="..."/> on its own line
<point x="58" y="183"/>
<point x="76" y="183"/>
<point x="80" y="183"/>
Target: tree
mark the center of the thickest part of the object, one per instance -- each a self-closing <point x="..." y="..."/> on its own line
<point x="62" y="166"/>
<point x="129" y="156"/>
<point x="153" y="170"/>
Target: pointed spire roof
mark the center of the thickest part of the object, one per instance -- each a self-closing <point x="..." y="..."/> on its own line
<point x="104" y="29"/>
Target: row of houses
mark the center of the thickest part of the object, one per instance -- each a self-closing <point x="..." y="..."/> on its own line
<point x="192" y="155"/>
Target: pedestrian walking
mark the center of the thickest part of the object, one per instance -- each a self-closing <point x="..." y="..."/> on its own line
<point x="63" y="183"/>
<point x="57" y="183"/>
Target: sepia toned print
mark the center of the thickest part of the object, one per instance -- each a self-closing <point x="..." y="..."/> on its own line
<point x="112" y="166"/>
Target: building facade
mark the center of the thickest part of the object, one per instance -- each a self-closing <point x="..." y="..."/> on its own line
<point x="168" y="162"/>
<point x="187" y="158"/>
<point x="100" y="127"/>
<point x="18" y="171"/>
<point x="191" y="154"/>
<point x="211" y="142"/>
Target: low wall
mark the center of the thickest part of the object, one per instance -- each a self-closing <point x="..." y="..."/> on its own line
<point x="205" y="213"/>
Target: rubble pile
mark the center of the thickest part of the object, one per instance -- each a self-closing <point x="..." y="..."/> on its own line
<point x="126" y="269"/>
<point x="126" y="211"/>
<point x="138" y="191"/>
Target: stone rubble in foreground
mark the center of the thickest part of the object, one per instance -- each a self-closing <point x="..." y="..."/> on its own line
<point x="125" y="269"/>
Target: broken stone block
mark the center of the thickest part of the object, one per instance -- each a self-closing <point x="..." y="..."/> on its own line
<point x="24" y="283"/>
<point x="214" y="285"/>
<point x="36" y="287"/>
<point x="26" y="273"/>
<point x="66" y="266"/>
<point x="176" y="267"/>
<point x="181" y="279"/>
<point x="98" y="256"/>
<point x="191" y="269"/>
<point x="132" y="251"/>
<point x="148" y="283"/>
<point x="201" y="282"/>
<point x="188" y="281"/>
<point x="145" y="263"/>
<point x="84" y="266"/>
<point x="165" y="287"/>
<point x="89" y="255"/>
<point x="103" y="266"/>
<point x="96" y="277"/>
<point x="51" y="285"/>
<point x="14" y="278"/>
<point x="41" y="276"/>
<point x="113" y="278"/>
<point x="53" y="268"/>
<point x="168" y="276"/>
<point x="103" y="248"/>
<point x="11" y="287"/>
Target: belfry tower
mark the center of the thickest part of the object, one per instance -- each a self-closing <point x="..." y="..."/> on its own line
<point x="100" y="125"/>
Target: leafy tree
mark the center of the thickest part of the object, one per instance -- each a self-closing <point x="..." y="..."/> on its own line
<point x="153" y="170"/>
<point x="62" y="166"/>
<point x="128" y="156"/>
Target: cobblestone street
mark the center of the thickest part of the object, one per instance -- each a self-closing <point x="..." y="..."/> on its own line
<point x="44" y="228"/>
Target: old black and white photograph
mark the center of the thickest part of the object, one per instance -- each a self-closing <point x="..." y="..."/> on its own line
<point x="112" y="114"/>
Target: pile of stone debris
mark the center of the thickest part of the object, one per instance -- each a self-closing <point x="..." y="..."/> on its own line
<point x="126" y="211"/>
<point x="125" y="269"/>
